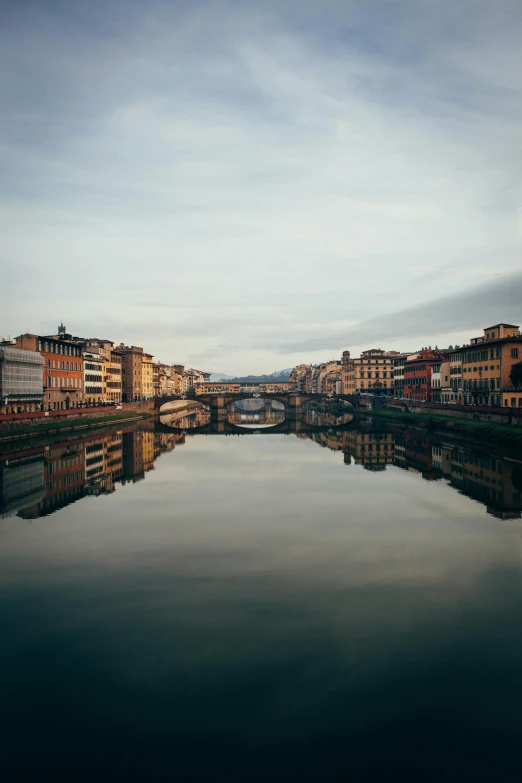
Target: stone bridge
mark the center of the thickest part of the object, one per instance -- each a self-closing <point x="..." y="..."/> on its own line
<point x="292" y="401"/>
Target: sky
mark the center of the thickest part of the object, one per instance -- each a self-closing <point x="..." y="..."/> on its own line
<point x="242" y="186"/>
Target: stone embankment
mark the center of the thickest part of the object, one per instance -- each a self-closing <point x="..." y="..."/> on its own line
<point x="456" y="412"/>
<point x="22" y="425"/>
<point x="477" y="429"/>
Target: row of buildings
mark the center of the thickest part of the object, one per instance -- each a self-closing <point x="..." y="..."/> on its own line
<point x="61" y="371"/>
<point x="479" y="373"/>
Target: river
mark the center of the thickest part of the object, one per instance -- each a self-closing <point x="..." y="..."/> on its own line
<point x="332" y="604"/>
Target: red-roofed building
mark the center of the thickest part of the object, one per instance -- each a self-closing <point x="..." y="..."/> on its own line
<point x="417" y="374"/>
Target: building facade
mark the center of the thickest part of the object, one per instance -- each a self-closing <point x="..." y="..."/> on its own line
<point x="164" y="379"/>
<point x="453" y="392"/>
<point x="298" y="377"/>
<point x="398" y="375"/>
<point x="147" y="376"/>
<point x="62" y="370"/>
<point x="486" y="366"/>
<point x="193" y="377"/>
<point x="131" y="372"/>
<point x="93" y="372"/>
<point x="417" y="374"/>
<point x="112" y="391"/>
<point x="372" y="372"/>
<point x="440" y="377"/>
<point x="21" y="380"/>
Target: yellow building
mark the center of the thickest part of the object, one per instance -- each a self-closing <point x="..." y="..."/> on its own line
<point x="371" y="372"/>
<point x="112" y="385"/>
<point x="147" y="376"/>
<point x="112" y="363"/>
<point x="511" y="398"/>
<point x="486" y="367"/>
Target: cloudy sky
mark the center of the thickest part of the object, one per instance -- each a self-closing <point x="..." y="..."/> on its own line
<point x="241" y="186"/>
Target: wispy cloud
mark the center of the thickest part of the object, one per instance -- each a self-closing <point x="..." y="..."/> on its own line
<point x="472" y="310"/>
<point x="308" y="164"/>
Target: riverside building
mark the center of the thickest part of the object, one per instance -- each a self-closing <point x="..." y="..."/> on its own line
<point x="372" y="372"/>
<point x="21" y="380"/>
<point x="486" y="367"/>
<point x="93" y="378"/>
<point x="62" y="370"/>
<point x="131" y="373"/>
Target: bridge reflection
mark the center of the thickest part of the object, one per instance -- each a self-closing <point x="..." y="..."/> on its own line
<point x="44" y="475"/>
<point x="255" y="414"/>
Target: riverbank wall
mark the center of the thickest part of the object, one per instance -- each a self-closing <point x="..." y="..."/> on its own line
<point x="23" y="425"/>
<point x="479" y="431"/>
<point x="510" y="416"/>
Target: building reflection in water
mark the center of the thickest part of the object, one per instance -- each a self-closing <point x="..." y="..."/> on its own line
<point x="36" y="481"/>
<point x="198" y="416"/>
<point x="494" y="480"/>
<point x="45" y="479"/>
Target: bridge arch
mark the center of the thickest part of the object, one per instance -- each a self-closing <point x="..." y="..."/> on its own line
<point x="290" y="399"/>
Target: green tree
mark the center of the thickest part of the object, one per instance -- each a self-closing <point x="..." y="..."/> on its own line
<point x="516" y="374"/>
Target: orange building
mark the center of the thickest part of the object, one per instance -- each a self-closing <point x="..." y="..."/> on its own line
<point x="62" y="372"/>
<point x="417" y="374"/>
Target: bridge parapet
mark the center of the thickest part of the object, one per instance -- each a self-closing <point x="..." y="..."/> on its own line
<point x="291" y="399"/>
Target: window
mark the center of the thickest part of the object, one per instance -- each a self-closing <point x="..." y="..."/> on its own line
<point x="514" y="353"/>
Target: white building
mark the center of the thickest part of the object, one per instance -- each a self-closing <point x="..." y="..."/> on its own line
<point x="21" y="380"/>
<point x="93" y="377"/>
<point x="440" y="375"/>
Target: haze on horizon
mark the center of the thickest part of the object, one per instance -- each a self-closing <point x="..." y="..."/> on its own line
<point x="244" y="186"/>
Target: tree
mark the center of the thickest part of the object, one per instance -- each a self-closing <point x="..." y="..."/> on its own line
<point x="516" y="374"/>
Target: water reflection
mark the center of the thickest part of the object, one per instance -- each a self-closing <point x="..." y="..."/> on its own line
<point x="187" y="418"/>
<point x="492" y="479"/>
<point x="287" y="601"/>
<point x="37" y="480"/>
<point x="256" y="413"/>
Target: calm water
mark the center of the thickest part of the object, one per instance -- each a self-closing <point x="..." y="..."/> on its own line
<point x="321" y="605"/>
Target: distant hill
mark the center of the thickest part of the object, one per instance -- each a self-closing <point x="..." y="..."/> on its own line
<point x="281" y="375"/>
